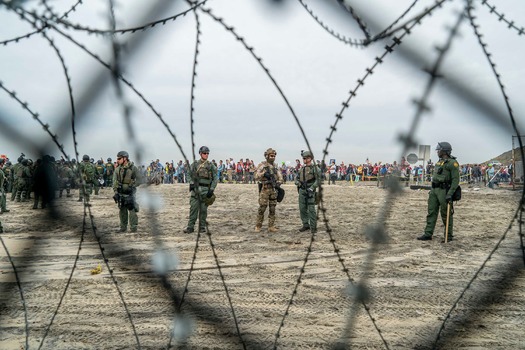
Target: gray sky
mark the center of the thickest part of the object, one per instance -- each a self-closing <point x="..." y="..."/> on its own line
<point x="238" y="111"/>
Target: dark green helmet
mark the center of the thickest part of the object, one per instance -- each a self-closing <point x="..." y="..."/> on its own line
<point x="305" y="154"/>
<point x="204" y="149"/>
<point x="123" y="154"/>
<point x="444" y="146"/>
<point x="85" y="158"/>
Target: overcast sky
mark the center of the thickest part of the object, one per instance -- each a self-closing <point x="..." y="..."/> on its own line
<point x="238" y="111"/>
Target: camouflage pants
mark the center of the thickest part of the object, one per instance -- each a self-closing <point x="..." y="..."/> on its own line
<point x="85" y="191"/>
<point x="267" y="198"/>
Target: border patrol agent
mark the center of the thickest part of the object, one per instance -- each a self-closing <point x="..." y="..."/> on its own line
<point x="307" y="180"/>
<point x="445" y="180"/>
<point x="203" y="181"/>
<point x="126" y="179"/>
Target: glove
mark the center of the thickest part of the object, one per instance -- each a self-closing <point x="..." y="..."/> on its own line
<point x="192" y="187"/>
<point x="116" y="197"/>
<point x="268" y="175"/>
<point x="440" y="171"/>
<point x="277" y="185"/>
<point x="209" y="194"/>
<point x="448" y="198"/>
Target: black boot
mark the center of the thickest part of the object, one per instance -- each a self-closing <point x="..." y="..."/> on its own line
<point x="304" y="228"/>
<point x="425" y="237"/>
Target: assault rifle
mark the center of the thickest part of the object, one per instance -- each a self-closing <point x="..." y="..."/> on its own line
<point x="273" y="182"/>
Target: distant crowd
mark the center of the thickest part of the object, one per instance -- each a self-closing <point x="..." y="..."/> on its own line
<point x="242" y="171"/>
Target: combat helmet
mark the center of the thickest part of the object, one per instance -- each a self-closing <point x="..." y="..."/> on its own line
<point x="109" y="160"/>
<point x="204" y="149"/>
<point x="445" y="147"/>
<point x="269" y="151"/>
<point x="123" y="154"/>
<point x="85" y="158"/>
<point x="305" y="154"/>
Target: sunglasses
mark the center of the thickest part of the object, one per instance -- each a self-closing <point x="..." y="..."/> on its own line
<point x="205" y="152"/>
<point x="118" y="158"/>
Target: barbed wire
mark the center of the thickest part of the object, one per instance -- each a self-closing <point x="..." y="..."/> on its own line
<point x="340" y="37"/>
<point x="502" y="18"/>
<point x="144" y="27"/>
<point x="28" y="35"/>
<point x="498" y="77"/>
<point x="375" y="231"/>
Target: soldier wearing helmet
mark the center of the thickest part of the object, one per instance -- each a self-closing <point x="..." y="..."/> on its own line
<point x="23" y="180"/>
<point x="126" y="179"/>
<point x="100" y="171"/>
<point x="108" y="176"/>
<point x="3" y="180"/>
<point x="269" y="179"/>
<point x="307" y="181"/>
<point x="203" y="181"/>
<point x="86" y="170"/>
<point x="445" y="181"/>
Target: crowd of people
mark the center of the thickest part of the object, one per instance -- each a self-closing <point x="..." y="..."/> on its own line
<point x="243" y="171"/>
<point x="48" y="178"/>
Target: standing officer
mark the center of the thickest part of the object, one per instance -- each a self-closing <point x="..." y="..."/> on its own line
<point x="307" y="180"/>
<point x="87" y="177"/>
<point x="108" y="176"/>
<point x="445" y="180"/>
<point x="203" y="180"/>
<point x="3" y="178"/>
<point x="126" y="179"/>
<point x="270" y="180"/>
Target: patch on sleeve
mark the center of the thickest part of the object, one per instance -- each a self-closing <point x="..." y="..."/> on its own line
<point x="456" y="164"/>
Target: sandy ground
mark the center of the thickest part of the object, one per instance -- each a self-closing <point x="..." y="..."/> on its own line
<point x="413" y="285"/>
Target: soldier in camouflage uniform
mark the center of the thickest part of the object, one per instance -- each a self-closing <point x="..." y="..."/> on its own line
<point x="307" y="181"/>
<point x="8" y="172"/>
<point x="99" y="176"/>
<point x="445" y="180"/>
<point x="3" y="204"/>
<point x="66" y="176"/>
<point x="269" y="178"/>
<point x="108" y="176"/>
<point x="126" y="179"/>
<point x="14" y="176"/>
<point x="86" y="169"/>
<point x="23" y="177"/>
<point x="203" y="180"/>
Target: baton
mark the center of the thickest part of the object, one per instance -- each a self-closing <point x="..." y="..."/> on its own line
<point x="448" y="217"/>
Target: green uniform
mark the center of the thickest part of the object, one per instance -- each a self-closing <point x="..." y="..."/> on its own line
<point x="3" y="204"/>
<point x="203" y="179"/>
<point x="66" y="176"/>
<point x="126" y="179"/>
<point x="307" y="182"/>
<point x="23" y="183"/>
<point x="108" y="176"/>
<point x="99" y="174"/>
<point x="14" y="180"/>
<point x="87" y="174"/>
<point x="445" y="180"/>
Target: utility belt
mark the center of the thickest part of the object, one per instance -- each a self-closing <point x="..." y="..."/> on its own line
<point x="442" y="185"/>
<point x="204" y="185"/>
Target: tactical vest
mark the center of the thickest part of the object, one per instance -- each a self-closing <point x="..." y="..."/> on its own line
<point x="109" y="168"/>
<point x="88" y="171"/>
<point x="203" y="172"/>
<point x="307" y="174"/>
<point x="125" y="179"/>
<point x="100" y="169"/>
